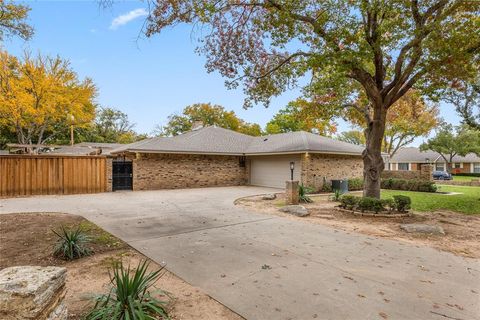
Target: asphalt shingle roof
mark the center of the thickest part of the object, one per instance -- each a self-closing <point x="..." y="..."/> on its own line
<point x="215" y="140"/>
<point x="300" y="141"/>
<point x="412" y="154"/>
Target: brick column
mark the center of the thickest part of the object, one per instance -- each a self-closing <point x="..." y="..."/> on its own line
<point x="291" y="192"/>
<point x="108" y="173"/>
<point x="426" y="171"/>
<point x="305" y="175"/>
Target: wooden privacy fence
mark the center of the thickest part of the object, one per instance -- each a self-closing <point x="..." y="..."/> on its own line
<point x="23" y="175"/>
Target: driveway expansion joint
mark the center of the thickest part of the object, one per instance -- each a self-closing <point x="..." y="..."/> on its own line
<point x="199" y="229"/>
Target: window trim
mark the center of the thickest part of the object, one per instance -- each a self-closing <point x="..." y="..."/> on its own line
<point x="476" y="166"/>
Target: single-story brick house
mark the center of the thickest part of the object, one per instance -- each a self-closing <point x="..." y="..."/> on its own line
<point x="213" y="156"/>
<point x="410" y="159"/>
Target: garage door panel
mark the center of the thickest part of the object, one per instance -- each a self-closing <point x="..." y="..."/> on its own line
<point x="273" y="171"/>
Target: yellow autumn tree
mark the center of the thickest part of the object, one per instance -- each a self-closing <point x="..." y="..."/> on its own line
<point x="303" y="115"/>
<point x="410" y="117"/>
<point x="39" y="94"/>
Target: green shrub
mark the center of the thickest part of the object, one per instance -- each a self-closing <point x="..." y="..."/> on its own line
<point x="348" y="201"/>
<point x="71" y="243"/>
<point x="355" y="184"/>
<point x="336" y="195"/>
<point x="402" y="203"/>
<point x="129" y="297"/>
<point x="468" y="174"/>
<point x="302" y="193"/>
<point x="371" y="204"/>
<point x="327" y="187"/>
<point x="409" y="185"/>
<point x="389" y="204"/>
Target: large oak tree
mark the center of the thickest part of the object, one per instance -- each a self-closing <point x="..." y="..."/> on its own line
<point x="378" y="48"/>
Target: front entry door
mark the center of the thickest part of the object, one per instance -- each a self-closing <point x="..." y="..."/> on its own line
<point x="122" y="177"/>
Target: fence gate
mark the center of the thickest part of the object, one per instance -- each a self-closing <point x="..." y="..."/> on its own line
<point x="122" y="175"/>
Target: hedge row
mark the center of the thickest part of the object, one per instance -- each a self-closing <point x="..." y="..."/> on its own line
<point x="409" y="185"/>
<point x="391" y="183"/>
<point x="397" y="184"/>
<point x="355" y="184"/>
<point x="467" y="174"/>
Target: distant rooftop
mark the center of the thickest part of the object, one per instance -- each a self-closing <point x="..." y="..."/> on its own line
<point x="412" y="154"/>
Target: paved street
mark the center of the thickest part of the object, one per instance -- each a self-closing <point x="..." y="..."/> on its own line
<point x="268" y="267"/>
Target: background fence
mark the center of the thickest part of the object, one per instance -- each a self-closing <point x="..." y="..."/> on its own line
<point x="23" y="175"/>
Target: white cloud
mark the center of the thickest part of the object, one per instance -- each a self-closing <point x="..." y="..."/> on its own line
<point x="127" y="17"/>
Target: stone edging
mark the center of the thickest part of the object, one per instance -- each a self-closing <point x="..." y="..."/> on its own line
<point x="371" y="214"/>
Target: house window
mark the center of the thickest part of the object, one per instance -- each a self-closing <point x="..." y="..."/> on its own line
<point x="476" y="167"/>
<point x="403" y="166"/>
<point x="440" y="166"/>
<point x="457" y="165"/>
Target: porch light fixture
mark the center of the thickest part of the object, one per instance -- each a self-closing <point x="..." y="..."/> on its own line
<point x="292" y="167"/>
<point x="427" y="160"/>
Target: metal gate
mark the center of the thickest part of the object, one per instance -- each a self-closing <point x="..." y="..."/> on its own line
<point x="122" y="177"/>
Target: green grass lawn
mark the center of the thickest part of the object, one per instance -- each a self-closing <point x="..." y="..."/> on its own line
<point x="464" y="178"/>
<point x="468" y="202"/>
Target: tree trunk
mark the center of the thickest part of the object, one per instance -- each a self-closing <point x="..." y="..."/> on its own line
<point x="373" y="164"/>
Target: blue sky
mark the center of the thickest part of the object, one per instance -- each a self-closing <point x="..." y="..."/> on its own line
<point x="148" y="79"/>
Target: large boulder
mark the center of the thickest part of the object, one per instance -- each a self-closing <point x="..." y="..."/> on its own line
<point x="422" y="228"/>
<point x="296" y="210"/>
<point x="33" y="293"/>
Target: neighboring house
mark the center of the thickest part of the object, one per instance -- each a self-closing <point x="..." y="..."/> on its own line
<point x="412" y="158"/>
<point x="78" y="149"/>
<point x="213" y="156"/>
<point x="85" y="148"/>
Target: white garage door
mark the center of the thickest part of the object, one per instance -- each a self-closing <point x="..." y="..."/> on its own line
<point x="273" y="171"/>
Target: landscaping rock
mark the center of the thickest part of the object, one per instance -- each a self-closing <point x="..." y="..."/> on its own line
<point x="33" y="293"/>
<point x="296" y="210"/>
<point x="422" y="228"/>
<point x="272" y="196"/>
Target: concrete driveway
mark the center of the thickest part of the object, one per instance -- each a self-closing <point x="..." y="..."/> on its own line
<point x="266" y="267"/>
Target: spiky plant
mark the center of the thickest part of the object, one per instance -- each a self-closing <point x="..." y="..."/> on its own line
<point x="336" y="195"/>
<point x="130" y="297"/>
<point x="302" y="193"/>
<point x="71" y="243"/>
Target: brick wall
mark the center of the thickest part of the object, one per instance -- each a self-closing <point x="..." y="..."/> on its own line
<point x="425" y="173"/>
<point x="317" y="166"/>
<point x="172" y="171"/>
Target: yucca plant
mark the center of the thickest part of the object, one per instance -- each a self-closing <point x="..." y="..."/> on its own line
<point x="302" y="193"/>
<point x="71" y="243"/>
<point x="336" y="195"/>
<point x="130" y="297"/>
